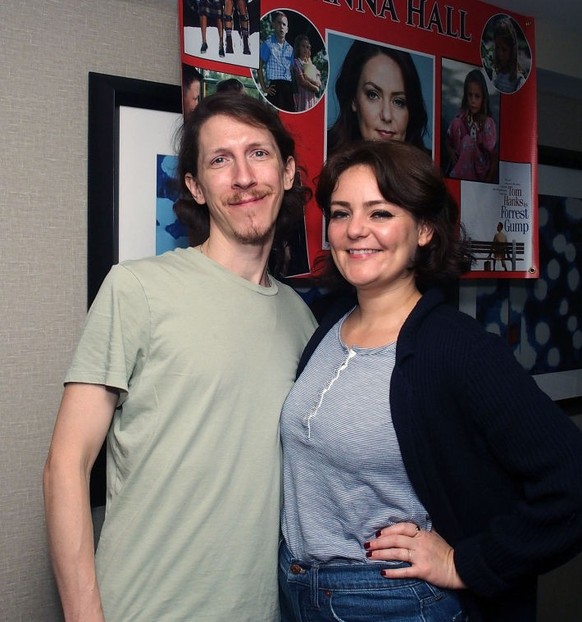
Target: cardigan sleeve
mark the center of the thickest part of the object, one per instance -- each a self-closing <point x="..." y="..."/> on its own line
<point x="540" y="451"/>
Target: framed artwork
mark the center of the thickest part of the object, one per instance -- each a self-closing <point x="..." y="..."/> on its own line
<point x="541" y="319"/>
<point x="132" y="125"/>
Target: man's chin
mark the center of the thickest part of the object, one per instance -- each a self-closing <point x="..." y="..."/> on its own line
<point x="255" y="237"/>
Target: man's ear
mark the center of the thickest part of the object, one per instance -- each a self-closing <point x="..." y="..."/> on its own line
<point x="195" y="189"/>
<point x="289" y="173"/>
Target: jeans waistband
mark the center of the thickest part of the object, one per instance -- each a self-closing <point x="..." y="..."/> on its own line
<point x="340" y="575"/>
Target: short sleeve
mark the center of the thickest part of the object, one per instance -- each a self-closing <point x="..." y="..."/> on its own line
<point x="264" y="52"/>
<point x="116" y="334"/>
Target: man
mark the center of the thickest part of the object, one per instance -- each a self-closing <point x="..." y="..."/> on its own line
<point x="275" y="62"/>
<point x="191" y="88"/>
<point x="184" y="364"/>
<point x="499" y="247"/>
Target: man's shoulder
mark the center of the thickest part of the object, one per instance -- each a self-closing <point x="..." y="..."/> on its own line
<point x="177" y="259"/>
<point x="170" y="267"/>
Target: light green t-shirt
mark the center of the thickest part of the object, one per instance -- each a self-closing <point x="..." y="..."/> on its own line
<point x="203" y="360"/>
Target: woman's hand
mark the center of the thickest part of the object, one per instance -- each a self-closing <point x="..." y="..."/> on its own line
<point x="430" y="557"/>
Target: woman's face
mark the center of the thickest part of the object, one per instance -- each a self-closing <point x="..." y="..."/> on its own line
<point x="372" y="241"/>
<point x="380" y="101"/>
<point x="305" y="50"/>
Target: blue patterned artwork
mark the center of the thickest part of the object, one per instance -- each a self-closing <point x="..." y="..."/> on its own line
<point x="541" y="319"/>
<point x="170" y="233"/>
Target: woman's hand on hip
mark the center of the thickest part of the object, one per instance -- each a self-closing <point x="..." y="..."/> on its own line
<point x="429" y="556"/>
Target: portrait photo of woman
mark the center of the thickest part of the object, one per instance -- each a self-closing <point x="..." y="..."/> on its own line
<point x="378" y="92"/>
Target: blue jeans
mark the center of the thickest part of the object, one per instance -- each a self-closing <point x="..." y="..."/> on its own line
<point x="356" y="592"/>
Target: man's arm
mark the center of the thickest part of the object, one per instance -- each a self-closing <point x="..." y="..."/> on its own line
<point x="80" y="429"/>
<point x="267" y="89"/>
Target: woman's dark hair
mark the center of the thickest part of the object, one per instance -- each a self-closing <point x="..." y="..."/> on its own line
<point x="254" y="112"/>
<point x="475" y="76"/>
<point x="505" y="30"/>
<point x="299" y="39"/>
<point x="406" y="177"/>
<point x="346" y="127"/>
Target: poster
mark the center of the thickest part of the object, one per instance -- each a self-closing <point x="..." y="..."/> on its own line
<point x="457" y="79"/>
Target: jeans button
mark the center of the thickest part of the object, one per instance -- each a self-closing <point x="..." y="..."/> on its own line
<point x="296" y="569"/>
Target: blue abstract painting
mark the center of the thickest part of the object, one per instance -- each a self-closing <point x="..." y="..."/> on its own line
<point x="170" y="233"/>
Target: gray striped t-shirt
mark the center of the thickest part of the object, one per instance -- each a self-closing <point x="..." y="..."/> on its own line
<point x="343" y="472"/>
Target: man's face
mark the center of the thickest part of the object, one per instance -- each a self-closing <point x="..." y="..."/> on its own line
<point x="242" y="179"/>
<point x="281" y="27"/>
<point x="191" y="97"/>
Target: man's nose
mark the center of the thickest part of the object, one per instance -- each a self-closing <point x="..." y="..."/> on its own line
<point x="244" y="174"/>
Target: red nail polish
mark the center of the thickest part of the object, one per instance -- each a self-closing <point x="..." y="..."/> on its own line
<point x="378" y="533"/>
<point x="366" y="545"/>
<point x="368" y="553"/>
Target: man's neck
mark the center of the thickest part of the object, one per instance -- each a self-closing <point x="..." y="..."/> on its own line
<point x="248" y="261"/>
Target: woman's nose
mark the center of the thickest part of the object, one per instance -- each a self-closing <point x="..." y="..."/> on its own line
<point x="356" y="227"/>
<point x="386" y="112"/>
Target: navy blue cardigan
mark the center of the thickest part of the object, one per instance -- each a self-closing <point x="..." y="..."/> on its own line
<point x="496" y="463"/>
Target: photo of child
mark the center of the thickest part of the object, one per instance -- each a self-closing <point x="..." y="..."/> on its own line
<point x="506" y="54"/>
<point x="471" y="139"/>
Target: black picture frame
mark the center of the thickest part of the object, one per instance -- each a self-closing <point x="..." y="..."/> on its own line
<point x="107" y="93"/>
<point x="555" y="156"/>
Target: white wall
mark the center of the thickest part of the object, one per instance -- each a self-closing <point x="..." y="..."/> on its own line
<point x="48" y="46"/>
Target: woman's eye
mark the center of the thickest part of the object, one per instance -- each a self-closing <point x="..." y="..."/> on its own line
<point x="381" y="214"/>
<point x="372" y="94"/>
<point x="400" y="102"/>
<point x="337" y="214"/>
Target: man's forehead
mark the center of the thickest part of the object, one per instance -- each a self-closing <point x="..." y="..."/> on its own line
<point x="226" y="130"/>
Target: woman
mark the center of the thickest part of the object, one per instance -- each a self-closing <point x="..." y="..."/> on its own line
<point x="306" y="74"/>
<point x="426" y="477"/>
<point x="379" y="97"/>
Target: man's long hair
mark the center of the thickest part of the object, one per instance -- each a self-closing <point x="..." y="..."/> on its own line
<point x="251" y="111"/>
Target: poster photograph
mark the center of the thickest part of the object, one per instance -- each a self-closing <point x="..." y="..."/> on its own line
<point x="457" y="79"/>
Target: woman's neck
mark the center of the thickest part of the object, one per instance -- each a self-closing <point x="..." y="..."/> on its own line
<point x="378" y="318"/>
